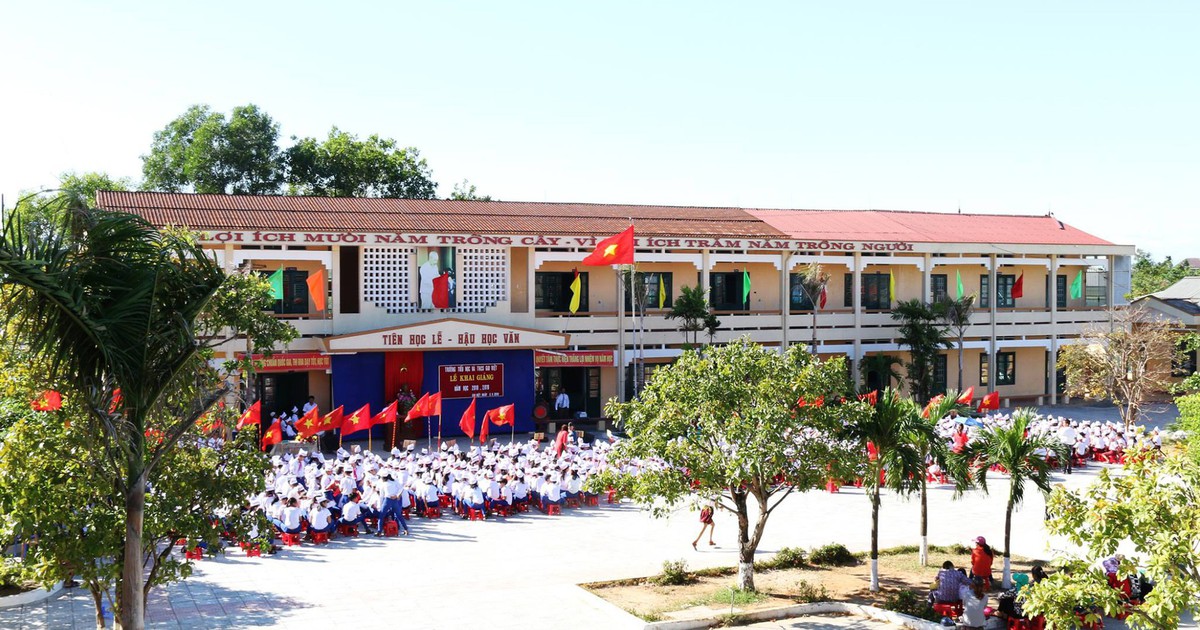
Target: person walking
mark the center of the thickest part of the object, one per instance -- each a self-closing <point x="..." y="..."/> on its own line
<point x="1067" y="435"/>
<point x="706" y="522"/>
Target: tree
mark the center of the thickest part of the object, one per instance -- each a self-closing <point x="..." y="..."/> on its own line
<point x="465" y="191"/>
<point x="1018" y="452"/>
<point x="73" y="188"/>
<point x="204" y="152"/>
<point x="813" y="282"/>
<point x="932" y="449"/>
<point x="882" y="365"/>
<point x="1153" y="508"/>
<point x="112" y="304"/>
<point x="712" y="324"/>
<point x="1127" y="362"/>
<point x="924" y="338"/>
<point x="956" y="313"/>
<point x="727" y="424"/>
<point x="888" y="435"/>
<point x="1150" y="276"/>
<point x="691" y="309"/>
<point x="344" y="166"/>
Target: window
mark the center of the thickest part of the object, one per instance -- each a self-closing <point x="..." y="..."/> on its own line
<point x="651" y="283"/>
<point x="798" y="297"/>
<point x="552" y="291"/>
<point x="1095" y="288"/>
<point x="1004" y="289"/>
<point x="1184" y="363"/>
<point x="876" y="291"/>
<point x="985" y="295"/>
<point x="295" y="293"/>
<point x="725" y="291"/>
<point x="939" y="374"/>
<point x="1006" y="369"/>
<point x="1060" y="291"/>
<point x="938" y="287"/>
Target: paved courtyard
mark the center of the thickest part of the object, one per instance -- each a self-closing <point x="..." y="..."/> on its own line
<point x="522" y="572"/>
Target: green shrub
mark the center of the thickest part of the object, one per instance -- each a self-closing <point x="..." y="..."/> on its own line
<point x="674" y="573"/>
<point x="912" y="603"/>
<point x="13" y="574"/>
<point x="832" y="554"/>
<point x="732" y="596"/>
<point x="959" y="549"/>
<point x="788" y="558"/>
<point x="807" y="593"/>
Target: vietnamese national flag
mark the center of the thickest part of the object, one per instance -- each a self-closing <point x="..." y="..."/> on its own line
<point x="614" y="250"/>
<point x="1018" y="287"/>
<point x="483" y="429"/>
<point x="309" y="423"/>
<point x="50" y="400"/>
<point x="357" y="421"/>
<point x="332" y="420"/>
<point x="991" y="401"/>
<point x="441" y="291"/>
<point x="418" y="409"/>
<point x="387" y="416"/>
<point x="502" y="415"/>
<point x="433" y="404"/>
<point x="467" y="422"/>
<point x="252" y="415"/>
<point x="966" y="397"/>
<point x="274" y="435"/>
<point x="317" y="289"/>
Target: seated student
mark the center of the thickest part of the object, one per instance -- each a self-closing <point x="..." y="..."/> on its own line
<point x="949" y="582"/>
<point x="551" y="493"/>
<point x="291" y="517"/>
<point x="974" y="600"/>
<point x="982" y="558"/>
<point x="472" y="497"/>
<point x="351" y="512"/>
<point x="574" y="485"/>
<point x="320" y="519"/>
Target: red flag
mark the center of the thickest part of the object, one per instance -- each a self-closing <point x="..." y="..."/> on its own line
<point x="467" y="423"/>
<point x="614" y="250"/>
<point x="308" y="424"/>
<point x="357" y="421"/>
<point x="116" y="401"/>
<point x="824" y="297"/>
<point x="50" y="400"/>
<point x="991" y="401"/>
<point x="932" y="401"/>
<point x="483" y="429"/>
<point x="274" y="435"/>
<point x="871" y="398"/>
<point x="502" y="415"/>
<point x="332" y="420"/>
<point x="966" y="397"/>
<point x="252" y="415"/>
<point x="418" y="409"/>
<point x="1018" y="287"/>
<point x="316" y="288"/>
<point x="441" y="291"/>
<point x="387" y="416"/>
<point x="433" y="405"/>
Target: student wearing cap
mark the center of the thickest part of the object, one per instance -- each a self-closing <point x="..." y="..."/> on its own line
<point x="982" y="557"/>
<point x="391" y="504"/>
<point x="351" y="512"/>
<point x="291" y="518"/>
<point x="974" y="601"/>
<point x="320" y="521"/>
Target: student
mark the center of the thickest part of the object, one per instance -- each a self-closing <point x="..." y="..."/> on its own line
<point x="982" y="557"/>
<point x="974" y="601"/>
<point x="319" y="518"/>
<point x="291" y="517"/>
<point x="391" y="505"/>
<point x="1067" y="435"/>
<point x="706" y="522"/>
<point x="948" y="584"/>
<point x="351" y="512"/>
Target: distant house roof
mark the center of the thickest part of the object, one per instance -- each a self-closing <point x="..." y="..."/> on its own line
<point x="1194" y="263"/>
<point x="1183" y="296"/>
<point x="247" y="212"/>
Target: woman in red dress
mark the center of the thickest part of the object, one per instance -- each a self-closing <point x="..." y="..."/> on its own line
<point x="706" y="522"/>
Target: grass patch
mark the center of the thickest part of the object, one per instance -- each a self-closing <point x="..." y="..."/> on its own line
<point x="649" y="617"/>
<point x="730" y="596"/>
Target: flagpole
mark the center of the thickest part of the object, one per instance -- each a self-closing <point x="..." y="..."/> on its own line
<point x="620" y="335"/>
<point x="428" y="433"/>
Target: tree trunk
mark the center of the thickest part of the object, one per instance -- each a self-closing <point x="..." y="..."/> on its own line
<point x="814" y="331"/>
<point x="98" y="602"/>
<point x="875" y="540"/>
<point x="1005" y="581"/>
<point x="132" y="600"/>
<point x="745" y="548"/>
<point x="960" y="361"/>
<point x="924" y="555"/>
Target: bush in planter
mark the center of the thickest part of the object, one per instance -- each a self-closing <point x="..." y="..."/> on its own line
<point x="912" y="603"/>
<point x="674" y="573"/>
<point x="14" y="576"/>
<point x="832" y="554"/>
<point x="788" y="558"/>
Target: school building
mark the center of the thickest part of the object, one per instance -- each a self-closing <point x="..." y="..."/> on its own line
<point x="473" y="298"/>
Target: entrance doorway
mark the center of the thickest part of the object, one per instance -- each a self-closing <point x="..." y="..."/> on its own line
<point x="582" y="385"/>
<point x="281" y="391"/>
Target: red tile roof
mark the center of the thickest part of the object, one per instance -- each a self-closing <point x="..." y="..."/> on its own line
<point x="246" y="212"/>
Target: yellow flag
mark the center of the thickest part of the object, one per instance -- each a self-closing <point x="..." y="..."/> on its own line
<point x="891" y="285"/>
<point x="662" y="292"/>
<point x="576" y="289"/>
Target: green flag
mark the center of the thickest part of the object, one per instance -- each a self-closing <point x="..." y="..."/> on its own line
<point x="1077" y="286"/>
<point x="276" y="280"/>
<point x="960" y="286"/>
<point x="746" y="288"/>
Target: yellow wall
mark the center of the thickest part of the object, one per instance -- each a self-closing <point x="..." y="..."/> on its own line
<point x="518" y="278"/>
<point x="764" y="283"/>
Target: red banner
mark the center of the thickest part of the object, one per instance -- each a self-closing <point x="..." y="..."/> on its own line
<point x="485" y="380"/>
<point x="574" y="358"/>
<point x="290" y="362"/>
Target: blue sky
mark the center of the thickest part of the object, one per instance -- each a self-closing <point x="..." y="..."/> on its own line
<point x="1087" y="109"/>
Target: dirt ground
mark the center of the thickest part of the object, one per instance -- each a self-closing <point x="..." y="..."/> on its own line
<point x="783" y="587"/>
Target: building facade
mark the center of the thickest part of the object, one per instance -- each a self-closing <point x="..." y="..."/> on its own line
<point x="474" y="298"/>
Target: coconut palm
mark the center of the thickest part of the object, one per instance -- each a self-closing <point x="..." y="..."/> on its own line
<point x="888" y="435"/>
<point x="957" y="315"/>
<point x="111" y="303"/>
<point x="1021" y="454"/>
<point x="812" y="282"/>
<point x="884" y="366"/>
<point x="933" y="450"/>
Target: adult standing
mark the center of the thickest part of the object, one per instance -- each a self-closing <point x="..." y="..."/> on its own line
<point x="1067" y="435"/>
<point x="562" y="404"/>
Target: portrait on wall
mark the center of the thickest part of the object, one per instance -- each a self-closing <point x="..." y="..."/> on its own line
<point x="435" y="277"/>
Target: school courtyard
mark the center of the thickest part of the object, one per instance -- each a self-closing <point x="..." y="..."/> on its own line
<point x="523" y="572"/>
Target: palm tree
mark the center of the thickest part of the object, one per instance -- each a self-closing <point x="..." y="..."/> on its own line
<point x="891" y="432"/>
<point x="924" y="337"/>
<point x="933" y="450"/>
<point x="883" y="365"/>
<point x="691" y="309"/>
<point x="111" y="303"/>
<point x="957" y="315"/>
<point x="813" y="282"/>
<point x="1021" y="454"/>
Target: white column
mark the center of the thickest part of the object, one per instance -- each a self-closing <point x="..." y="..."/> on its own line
<point x="856" y="301"/>
<point x="705" y="267"/>
<point x="1053" y="294"/>
<point x="785" y="306"/>
<point x="992" y="293"/>
<point x="927" y="280"/>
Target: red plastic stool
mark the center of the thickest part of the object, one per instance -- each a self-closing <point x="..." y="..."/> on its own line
<point x="391" y="528"/>
<point x="948" y="610"/>
<point x="194" y="554"/>
<point x="253" y="552"/>
<point x="612" y="495"/>
<point x="831" y="486"/>
<point x="553" y="508"/>
<point x="321" y="538"/>
<point x="501" y="509"/>
<point x="348" y="529"/>
<point x="571" y="502"/>
<point x="432" y="512"/>
<point x="444" y="500"/>
<point x="291" y="540"/>
<point x="475" y="515"/>
<point x="591" y="500"/>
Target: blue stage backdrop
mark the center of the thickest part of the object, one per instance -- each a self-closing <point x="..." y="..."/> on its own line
<point x="518" y="388"/>
<point x="358" y="380"/>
